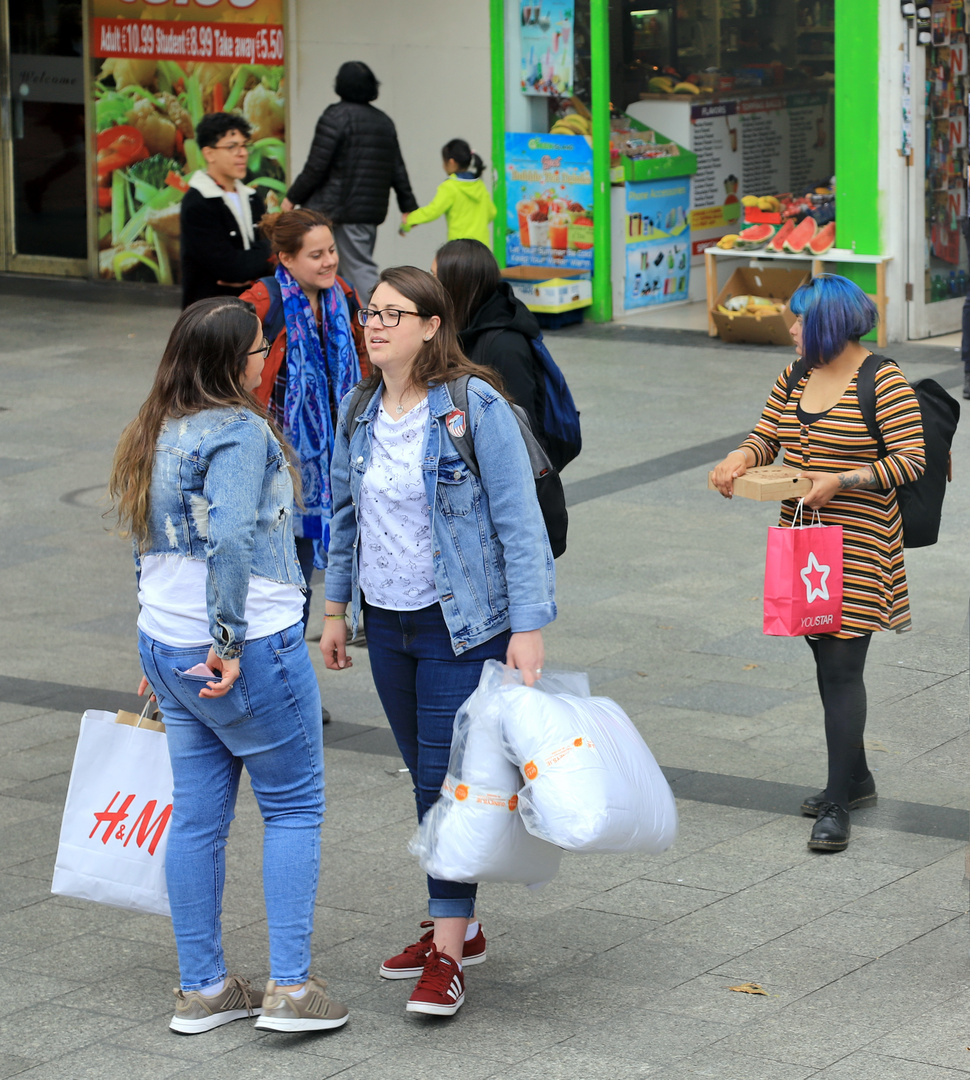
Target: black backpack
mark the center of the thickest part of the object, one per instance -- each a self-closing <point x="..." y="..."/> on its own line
<point x="921" y="502"/>
<point x="552" y="499"/>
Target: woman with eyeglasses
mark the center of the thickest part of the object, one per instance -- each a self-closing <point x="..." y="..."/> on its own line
<point x="450" y="569"/>
<point x="307" y="315"/>
<point x="201" y="480"/>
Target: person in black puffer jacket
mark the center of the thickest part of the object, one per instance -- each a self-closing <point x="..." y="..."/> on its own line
<point x="496" y="325"/>
<point x="353" y="163"/>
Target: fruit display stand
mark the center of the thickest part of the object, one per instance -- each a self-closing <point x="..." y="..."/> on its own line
<point x="833" y="255"/>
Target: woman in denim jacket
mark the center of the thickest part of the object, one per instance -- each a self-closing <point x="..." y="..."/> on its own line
<point x="451" y="569"/>
<point x="202" y="482"/>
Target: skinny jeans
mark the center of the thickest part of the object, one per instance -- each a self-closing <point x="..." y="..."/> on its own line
<point x="270" y="722"/>
<point x="422" y="684"/>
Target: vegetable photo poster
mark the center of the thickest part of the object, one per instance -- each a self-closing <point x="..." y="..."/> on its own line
<point x="157" y="69"/>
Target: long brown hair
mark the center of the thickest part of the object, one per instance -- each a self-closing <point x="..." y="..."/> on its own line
<point x="439" y="360"/>
<point x="470" y="275"/>
<point x="202" y="368"/>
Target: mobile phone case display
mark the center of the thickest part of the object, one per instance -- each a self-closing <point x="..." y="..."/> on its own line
<point x="657" y="242"/>
<point x="550" y="201"/>
<point x="651" y="260"/>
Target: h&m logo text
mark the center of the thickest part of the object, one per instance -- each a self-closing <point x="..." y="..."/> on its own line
<point x="141" y="828"/>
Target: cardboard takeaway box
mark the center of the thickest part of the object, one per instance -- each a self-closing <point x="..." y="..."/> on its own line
<point x="758" y="281"/>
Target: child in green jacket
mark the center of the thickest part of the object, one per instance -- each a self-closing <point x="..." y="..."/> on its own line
<point x="462" y="198"/>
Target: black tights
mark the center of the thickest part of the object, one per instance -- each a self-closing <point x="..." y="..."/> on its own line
<point x="839" y="667"/>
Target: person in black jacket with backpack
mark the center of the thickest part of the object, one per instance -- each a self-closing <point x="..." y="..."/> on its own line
<point x="353" y="163"/>
<point x="497" y="327"/>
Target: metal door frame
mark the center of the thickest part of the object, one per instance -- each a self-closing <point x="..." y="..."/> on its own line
<point x="10" y="260"/>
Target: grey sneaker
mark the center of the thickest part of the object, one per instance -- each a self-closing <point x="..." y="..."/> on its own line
<point x="195" y="1013"/>
<point x="314" y="1011"/>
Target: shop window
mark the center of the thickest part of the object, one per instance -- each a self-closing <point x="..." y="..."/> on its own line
<point x="946" y="158"/>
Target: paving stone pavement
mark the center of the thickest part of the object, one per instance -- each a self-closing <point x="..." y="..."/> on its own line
<point x="622" y="966"/>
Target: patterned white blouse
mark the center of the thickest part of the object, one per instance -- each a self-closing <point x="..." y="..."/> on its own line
<point x="396" y="567"/>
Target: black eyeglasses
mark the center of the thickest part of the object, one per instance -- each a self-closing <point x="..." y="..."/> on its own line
<point x="264" y="349"/>
<point x="388" y="317"/>
<point x="233" y="147"/>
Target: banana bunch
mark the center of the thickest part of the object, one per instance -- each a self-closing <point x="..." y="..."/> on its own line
<point x="728" y="241"/>
<point x="664" y="84"/>
<point x="757" y="306"/>
<point x="763" y="202"/>
<point x="572" y="124"/>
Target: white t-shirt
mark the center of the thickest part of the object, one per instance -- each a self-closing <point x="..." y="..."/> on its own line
<point x="396" y="566"/>
<point x="171" y="591"/>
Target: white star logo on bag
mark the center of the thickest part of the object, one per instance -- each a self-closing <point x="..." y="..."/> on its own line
<point x="813" y="591"/>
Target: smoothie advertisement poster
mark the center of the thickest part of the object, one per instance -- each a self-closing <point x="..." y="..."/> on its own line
<point x="157" y="68"/>
<point x="547" y="48"/>
<point x="549" y="184"/>
<point x="657" y="242"/>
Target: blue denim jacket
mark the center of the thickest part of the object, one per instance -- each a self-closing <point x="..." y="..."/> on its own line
<point x="221" y="492"/>
<point x="493" y="567"/>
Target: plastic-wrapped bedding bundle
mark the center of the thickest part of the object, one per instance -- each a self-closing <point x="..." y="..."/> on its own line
<point x="592" y="783"/>
<point x="472" y="833"/>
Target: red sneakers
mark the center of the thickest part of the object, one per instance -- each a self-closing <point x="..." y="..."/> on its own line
<point x="441" y="988"/>
<point x="410" y="963"/>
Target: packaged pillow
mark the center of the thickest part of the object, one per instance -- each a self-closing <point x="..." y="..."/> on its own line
<point x="473" y="832"/>
<point x="591" y="782"/>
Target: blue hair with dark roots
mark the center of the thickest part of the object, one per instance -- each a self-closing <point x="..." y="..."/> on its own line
<point x="834" y="311"/>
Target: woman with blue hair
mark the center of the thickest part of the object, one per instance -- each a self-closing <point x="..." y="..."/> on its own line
<point x="814" y="416"/>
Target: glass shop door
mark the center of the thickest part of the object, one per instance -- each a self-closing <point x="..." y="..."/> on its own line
<point x="43" y="178"/>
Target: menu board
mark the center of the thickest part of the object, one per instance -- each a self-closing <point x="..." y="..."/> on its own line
<point x="657" y="247"/>
<point x="156" y="71"/>
<point x="755" y="146"/>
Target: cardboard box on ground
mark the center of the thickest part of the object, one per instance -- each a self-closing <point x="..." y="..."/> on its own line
<point x="769" y="329"/>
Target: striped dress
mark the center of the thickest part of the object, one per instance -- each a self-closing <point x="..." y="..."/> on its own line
<point x="876" y="596"/>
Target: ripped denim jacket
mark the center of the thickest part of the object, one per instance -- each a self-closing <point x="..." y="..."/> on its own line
<point x="221" y="492"/>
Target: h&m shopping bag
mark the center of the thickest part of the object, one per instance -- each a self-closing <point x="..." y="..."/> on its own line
<point x="803" y="578"/>
<point x="115" y="826"/>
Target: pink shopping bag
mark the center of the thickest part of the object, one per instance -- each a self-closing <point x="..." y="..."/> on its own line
<point x="803" y="578"/>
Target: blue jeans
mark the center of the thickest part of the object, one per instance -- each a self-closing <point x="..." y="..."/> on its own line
<point x="269" y="722"/>
<point x="422" y="684"/>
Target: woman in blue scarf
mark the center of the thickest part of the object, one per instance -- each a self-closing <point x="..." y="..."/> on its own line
<point x="308" y="316"/>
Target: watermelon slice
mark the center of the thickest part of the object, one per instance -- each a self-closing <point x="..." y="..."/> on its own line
<point x="800" y="236"/>
<point x="822" y="240"/>
<point x="755" y="236"/>
<point x="776" y="242"/>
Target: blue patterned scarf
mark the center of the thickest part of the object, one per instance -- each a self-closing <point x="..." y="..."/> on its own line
<point x="311" y="380"/>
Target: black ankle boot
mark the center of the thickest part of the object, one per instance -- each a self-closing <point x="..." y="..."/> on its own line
<point x="860" y="794"/>
<point x="831" y="829"/>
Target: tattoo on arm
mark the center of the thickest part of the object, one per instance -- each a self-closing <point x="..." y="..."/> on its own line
<point x="861" y="478"/>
